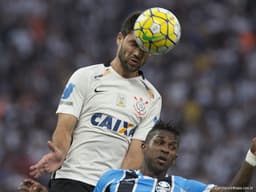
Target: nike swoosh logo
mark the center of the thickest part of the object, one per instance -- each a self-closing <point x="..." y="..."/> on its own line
<point x="96" y="90"/>
<point x="151" y="38"/>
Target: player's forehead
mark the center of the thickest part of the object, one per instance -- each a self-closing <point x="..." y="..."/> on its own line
<point x="165" y="135"/>
<point x="130" y="37"/>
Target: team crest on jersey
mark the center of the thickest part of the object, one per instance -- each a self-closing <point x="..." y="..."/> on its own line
<point x="140" y="106"/>
<point x="163" y="186"/>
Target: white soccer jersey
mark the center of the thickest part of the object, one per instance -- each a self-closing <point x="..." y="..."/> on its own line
<point x="110" y="110"/>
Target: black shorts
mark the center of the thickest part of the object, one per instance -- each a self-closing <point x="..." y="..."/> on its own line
<point x="69" y="185"/>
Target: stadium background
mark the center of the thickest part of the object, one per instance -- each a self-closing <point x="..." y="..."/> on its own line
<point x="207" y="81"/>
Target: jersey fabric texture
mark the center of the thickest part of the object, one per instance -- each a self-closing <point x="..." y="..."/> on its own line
<point x="117" y="180"/>
<point x="111" y="110"/>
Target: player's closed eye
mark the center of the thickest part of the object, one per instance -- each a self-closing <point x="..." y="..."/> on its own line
<point x="173" y="147"/>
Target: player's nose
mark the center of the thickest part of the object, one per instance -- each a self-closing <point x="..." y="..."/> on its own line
<point x="165" y="149"/>
<point x="139" y="52"/>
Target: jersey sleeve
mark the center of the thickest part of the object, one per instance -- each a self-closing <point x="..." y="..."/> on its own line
<point x="75" y="93"/>
<point x="195" y="186"/>
<point x="107" y="179"/>
<point x="189" y="185"/>
<point x="149" y="120"/>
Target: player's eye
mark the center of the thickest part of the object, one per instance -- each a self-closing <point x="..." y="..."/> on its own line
<point x="158" y="142"/>
<point x="172" y="146"/>
<point x="134" y="44"/>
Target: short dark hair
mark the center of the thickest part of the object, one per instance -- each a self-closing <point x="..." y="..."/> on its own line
<point x="128" y="23"/>
<point x="160" y="125"/>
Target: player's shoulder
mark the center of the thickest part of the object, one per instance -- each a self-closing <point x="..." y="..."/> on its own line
<point x="151" y="87"/>
<point x="114" y="173"/>
<point x="89" y="72"/>
<point x="179" y="182"/>
<point x="178" y="179"/>
<point x="96" y="68"/>
<point x="193" y="185"/>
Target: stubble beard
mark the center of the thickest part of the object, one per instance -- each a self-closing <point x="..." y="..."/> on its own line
<point x="124" y="62"/>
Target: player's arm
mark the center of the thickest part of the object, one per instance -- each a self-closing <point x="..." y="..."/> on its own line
<point x="62" y="135"/>
<point x="134" y="155"/>
<point x="59" y="146"/>
<point x="70" y="106"/>
<point x="243" y="177"/>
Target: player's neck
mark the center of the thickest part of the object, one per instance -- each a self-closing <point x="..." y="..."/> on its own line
<point x="116" y="65"/>
<point x="155" y="174"/>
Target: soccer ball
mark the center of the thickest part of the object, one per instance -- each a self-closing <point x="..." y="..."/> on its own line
<point x="157" y="31"/>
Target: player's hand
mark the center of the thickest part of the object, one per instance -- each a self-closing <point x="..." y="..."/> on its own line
<point x="30" y="185"/>
<point x="253" y="146"/>
<point x="49" y="162"/>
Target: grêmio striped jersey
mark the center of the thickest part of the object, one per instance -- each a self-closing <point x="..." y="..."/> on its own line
<point x="118" y="180"/>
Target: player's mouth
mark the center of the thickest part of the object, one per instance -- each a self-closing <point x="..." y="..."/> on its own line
<point x="134" y="61"/>
<point x="162" y="160"/>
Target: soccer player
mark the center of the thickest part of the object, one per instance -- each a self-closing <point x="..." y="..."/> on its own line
<point x="104" y="115"/>
<point x="160" y="152"/>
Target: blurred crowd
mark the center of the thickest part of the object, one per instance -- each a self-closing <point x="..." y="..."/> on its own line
<point x="207" y="81"/>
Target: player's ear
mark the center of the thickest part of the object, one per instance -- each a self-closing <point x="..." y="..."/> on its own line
<point x="119" y="38"/>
